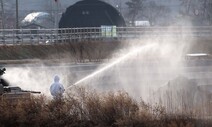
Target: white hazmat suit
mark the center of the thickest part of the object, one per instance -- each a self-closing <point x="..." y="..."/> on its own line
<point x="57" y="88"/>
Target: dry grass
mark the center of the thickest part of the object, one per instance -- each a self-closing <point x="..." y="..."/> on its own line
<point x="76" y="51"/>
<point x="81" y="51"/>
<point x="84" y="108"/>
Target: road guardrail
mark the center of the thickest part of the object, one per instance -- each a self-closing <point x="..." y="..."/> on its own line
<point x="49" y="36"/>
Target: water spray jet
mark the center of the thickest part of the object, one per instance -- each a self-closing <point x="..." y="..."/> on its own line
<point x="121" y="59"/>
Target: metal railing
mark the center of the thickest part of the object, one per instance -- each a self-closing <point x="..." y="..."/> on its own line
<point x="49" y="36"/>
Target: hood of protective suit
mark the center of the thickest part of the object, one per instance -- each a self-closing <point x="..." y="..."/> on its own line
<point x="56" y="78"/>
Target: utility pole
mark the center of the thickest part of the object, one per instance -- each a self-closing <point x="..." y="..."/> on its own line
<point x="2" y="14"/>
<point x="17" y="22"/>
<point x="56" y="13"/>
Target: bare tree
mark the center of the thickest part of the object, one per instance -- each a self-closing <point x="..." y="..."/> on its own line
<point x="201" y="10"/>
<point x="118" y="4"/>
<point x="154" y="12"/>
<point x="197" y="11"/>
<point x="206" y="9"/>
<point x="186" y="6"/>
<point x="135" y="7"/>
<point x="6" y="12"/>
<point x="2" y="14"/>
<point x="209" y="13"/>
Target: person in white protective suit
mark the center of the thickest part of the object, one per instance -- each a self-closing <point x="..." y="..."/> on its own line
<point x="57" y="88"/>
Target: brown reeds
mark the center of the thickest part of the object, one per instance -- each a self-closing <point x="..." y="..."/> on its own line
<point x="84" y="108"/>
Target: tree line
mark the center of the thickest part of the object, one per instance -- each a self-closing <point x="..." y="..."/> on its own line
<point x="197" y="11"/>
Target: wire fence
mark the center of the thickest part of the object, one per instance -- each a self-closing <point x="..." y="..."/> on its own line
<point x="49" y="36"/>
